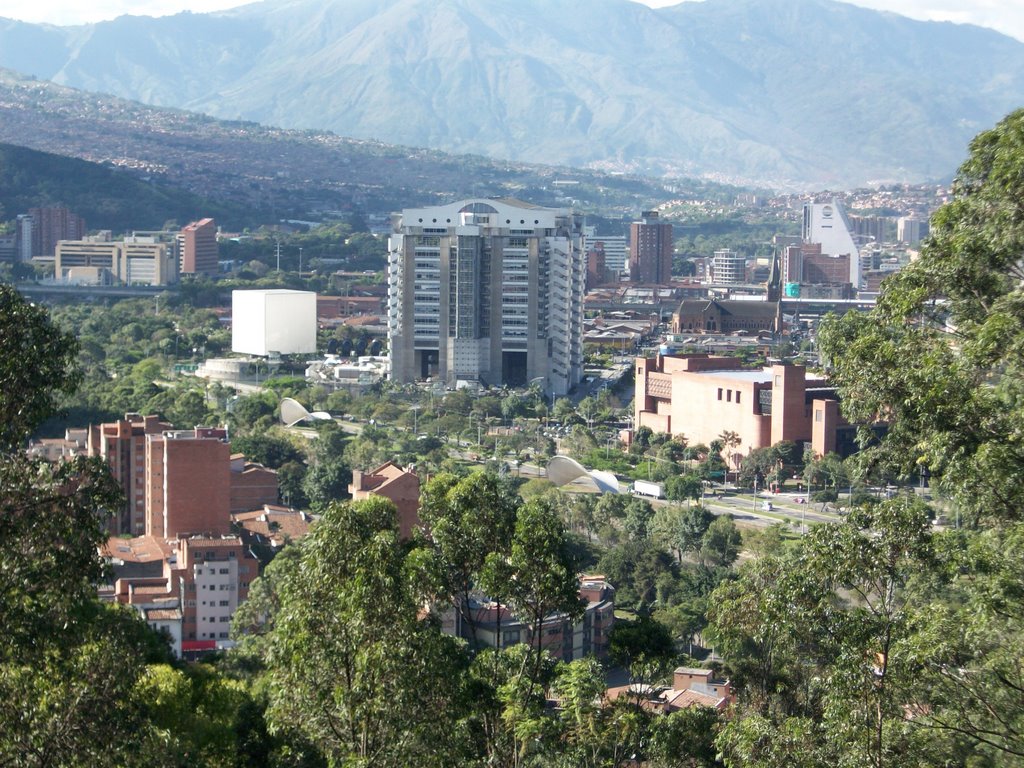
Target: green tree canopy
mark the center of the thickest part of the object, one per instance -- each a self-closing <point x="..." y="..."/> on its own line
<point x="352" y="665"/>
<point x="940" y="357"/>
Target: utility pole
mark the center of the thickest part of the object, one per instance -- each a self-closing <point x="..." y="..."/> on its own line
<point x="278" y="243"/>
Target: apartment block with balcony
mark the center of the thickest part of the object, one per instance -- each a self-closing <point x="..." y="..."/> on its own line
<point x="178" y="481"/>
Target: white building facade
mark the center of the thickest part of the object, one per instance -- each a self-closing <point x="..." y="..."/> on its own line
<point x="827" y="224"/>
<point x="487" y="290"/>
<point x="728" y="268"/>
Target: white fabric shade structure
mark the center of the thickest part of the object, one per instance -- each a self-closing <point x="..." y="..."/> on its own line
<point x="293" y="412"/>
<point x="562" y="470"/>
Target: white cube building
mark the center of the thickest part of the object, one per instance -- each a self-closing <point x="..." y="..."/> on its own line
<point x="277" y="321"/>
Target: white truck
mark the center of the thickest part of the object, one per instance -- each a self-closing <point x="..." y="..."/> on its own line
<point x="647" y="488"/>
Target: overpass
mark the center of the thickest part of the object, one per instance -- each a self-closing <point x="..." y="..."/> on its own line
<point x="93" y="291"/>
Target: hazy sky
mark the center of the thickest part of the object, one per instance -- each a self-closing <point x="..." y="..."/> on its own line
<point x="1007" y="16"/>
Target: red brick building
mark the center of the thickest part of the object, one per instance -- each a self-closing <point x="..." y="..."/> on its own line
<point x="252" y="485"/>
<point x="650" y="250"/>
<point x="267" y="529"/>
<point x="122" y="444"/>
<point x="394" y="483"/>
<point x="178" y="482"/>
<point x="199" y="248"/>
<point x="50" y="225"/>
<point x="188" y="481"/>
<point x="333" y="307"/>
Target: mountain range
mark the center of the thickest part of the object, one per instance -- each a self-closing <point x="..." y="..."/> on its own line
<point x="777" y="92"/>
<point x="250" y="174"/>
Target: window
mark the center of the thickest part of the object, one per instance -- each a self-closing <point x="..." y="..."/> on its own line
<point x="818" y="415"/>
<point x="231" y="554"/>
<point x="225" y="602"/>
<point x="719" y="393"/>
<point x="225" y="570"/>
<point x="224" y="634"/>
<point x="778" y="381"/>
<point x="224" y="619"/>
<point x="737" y="397"/>
<point x="728" y="396"/>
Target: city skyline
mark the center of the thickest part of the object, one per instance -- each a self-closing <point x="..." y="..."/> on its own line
<point x="1005" y="16"/>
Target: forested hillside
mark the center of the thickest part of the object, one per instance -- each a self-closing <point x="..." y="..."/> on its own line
<point x="106" y="197"/>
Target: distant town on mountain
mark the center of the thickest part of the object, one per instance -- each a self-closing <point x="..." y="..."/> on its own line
<point x="784" y="93"/>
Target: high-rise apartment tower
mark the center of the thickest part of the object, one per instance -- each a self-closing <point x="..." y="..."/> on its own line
<point x="650" y="250"/>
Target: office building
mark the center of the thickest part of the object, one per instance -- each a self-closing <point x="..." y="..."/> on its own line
<point x="650" y="250"/>
<point x="133" y="261"/>
<point x="199" y="248"/>
<point x="487" y="290"/>
<point x="23" y="237"/>
<point x="879" y="229"/>
<point x="827" y="225"/>
<point x="8" y="248"/>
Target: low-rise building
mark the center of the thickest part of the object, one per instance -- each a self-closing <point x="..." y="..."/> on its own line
<point x="701" y="397"/>
<point x="268" y="529"/>
<point x="132" y="261"/>
<point x="202" y="579"/>
<point x="495" y="626"/>
<point x="392" y="482"/>
<point x="691" y="687"/>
